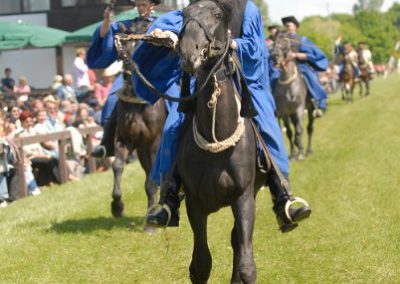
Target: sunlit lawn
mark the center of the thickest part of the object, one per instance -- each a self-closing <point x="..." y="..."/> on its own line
<point x="67" y="234"/>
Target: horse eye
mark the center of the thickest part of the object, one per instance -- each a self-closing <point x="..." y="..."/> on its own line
<point x="218" y="15"/>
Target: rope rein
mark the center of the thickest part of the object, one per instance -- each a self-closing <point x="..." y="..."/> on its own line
<point x="218" y="146"/>
<point x="290" y="79"/>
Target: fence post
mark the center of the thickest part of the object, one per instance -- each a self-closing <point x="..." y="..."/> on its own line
<point x="63" y="160"/>
<point x="91" y="161"/>
<point x="21" y="173"/>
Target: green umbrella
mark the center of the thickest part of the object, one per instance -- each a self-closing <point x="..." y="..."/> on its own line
<point x="85" y="34"/>
<point x="21" y="35"/>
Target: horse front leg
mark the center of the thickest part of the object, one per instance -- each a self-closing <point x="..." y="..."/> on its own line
<point x="310" y="130"/>
<point x="361" y="87"/>
<point x="236" y="251"/>
<point x="146" y="158"/>
<point x="200" y="266"/>
<point x="289" y="135"/>
<point x="244" y="213"/>
<point x="298" y="141"/>
<point x="121" y="154"/>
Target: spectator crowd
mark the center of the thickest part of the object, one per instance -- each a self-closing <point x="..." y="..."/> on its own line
<point x="71" y="102"/>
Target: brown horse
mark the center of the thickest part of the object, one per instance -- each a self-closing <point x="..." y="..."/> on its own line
<point x="348" y="81"/>
<point x="365" y="79"/>
<point x="138" y="127"/>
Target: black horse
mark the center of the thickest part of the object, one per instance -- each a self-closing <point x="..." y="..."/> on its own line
<point x="292" y="97"/>
<point x="138" y="126"/>
<point x="217" y="154"/>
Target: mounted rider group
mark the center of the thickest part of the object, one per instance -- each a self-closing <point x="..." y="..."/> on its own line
<point x="261" y="74"/>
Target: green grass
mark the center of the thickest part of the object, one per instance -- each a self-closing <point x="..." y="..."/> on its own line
<point x="67" y="235"/>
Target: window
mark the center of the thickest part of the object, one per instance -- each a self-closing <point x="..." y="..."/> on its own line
<point x="36" y="5"/>
<point x="71" y="3"/>
<point x="10" y="7"/>
<point x="68" y="3"/>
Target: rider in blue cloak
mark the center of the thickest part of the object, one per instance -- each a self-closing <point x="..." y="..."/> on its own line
<point x="311" y="61"/>
<point x="162" y="67"/>
<point x="102" y="53"/>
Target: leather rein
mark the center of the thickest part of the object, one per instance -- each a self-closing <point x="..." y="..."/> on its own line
<point x="214" y="49"/>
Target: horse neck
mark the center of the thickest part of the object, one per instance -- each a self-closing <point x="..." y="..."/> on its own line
<point x="289" y="70"/>
<point x="224" y="119"/>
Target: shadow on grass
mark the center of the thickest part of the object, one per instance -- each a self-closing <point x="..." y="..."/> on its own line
<point x="89" y="225"/>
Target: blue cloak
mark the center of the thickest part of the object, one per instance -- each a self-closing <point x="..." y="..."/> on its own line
<point x="163" y="69"/>
<point x="101" y="54"/>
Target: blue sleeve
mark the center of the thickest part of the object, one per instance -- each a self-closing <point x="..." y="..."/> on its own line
<point x="102" y="52"/>
<point x="160" y="65"/>
<point x="251" y="45"/>
<point x="315" y="57"/>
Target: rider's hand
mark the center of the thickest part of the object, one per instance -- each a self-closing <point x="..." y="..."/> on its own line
<point x="165" y="34"/>
<point x="234" y="45"/>
<point x="107" y="14"/>
<point x="105" y="26"/>
<point x="291" y="56"/>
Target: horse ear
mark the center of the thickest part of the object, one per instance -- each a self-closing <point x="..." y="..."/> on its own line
<point x="226" y="7"/>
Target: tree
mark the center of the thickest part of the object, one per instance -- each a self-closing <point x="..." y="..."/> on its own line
<point x="262" y="5"/>
<point x="394" y="14"/>
<point x="374" y="5"/>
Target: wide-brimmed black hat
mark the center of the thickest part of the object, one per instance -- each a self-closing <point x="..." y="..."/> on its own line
<point x="156" y="2"/>
<point x="271" y="27"/>
<point x="291" y="19"/>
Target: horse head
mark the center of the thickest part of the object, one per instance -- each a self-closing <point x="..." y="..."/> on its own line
<point x="281" y="48"/>
<point x="205" y="33"/>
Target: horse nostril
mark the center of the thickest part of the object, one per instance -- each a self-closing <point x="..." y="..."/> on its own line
<point x="197" y="46"/>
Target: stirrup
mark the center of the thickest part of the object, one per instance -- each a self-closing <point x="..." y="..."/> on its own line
<point x="290" y="203"/>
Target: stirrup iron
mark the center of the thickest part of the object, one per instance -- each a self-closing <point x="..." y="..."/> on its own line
<point x="290" y="203"/>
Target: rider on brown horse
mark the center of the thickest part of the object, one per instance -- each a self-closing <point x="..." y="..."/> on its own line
<point x="100" y="55"/>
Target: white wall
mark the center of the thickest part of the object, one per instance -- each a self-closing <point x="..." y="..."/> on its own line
<point x="38" y="65"/>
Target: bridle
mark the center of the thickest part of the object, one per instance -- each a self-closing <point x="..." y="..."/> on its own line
<point x="214" y="49"/>
<point x="282" y="61"/>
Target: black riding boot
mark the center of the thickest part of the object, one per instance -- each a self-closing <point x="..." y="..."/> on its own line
<point x="168" y="214"/>
<point x="107" y="147"/>
<point x="281" y="195"/>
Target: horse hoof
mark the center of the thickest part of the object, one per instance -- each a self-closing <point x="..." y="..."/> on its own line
<point x="309" y="153"/>
<point x="301" y="157"/>
<point x="151" y="231"/>
<point x="117" y="209"/>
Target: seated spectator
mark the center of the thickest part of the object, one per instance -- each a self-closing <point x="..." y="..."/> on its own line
<point x="37" y="158"/>
<point x="36" y="105"/>
<point x="83" y="119"/>
<point x="102" y="89"/>
<point x="57" y="82"/>
<point x="7" y="82"/>
<point x="9" y="186"/>
<point x="66" y="91"/>
<point x="22" y="88"/>
<point x="14" y="112"/>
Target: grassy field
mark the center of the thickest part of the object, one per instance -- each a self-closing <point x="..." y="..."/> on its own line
<point x="67" y="234"/>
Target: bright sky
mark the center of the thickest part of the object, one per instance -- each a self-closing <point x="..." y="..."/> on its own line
<point x="302" y="8"/>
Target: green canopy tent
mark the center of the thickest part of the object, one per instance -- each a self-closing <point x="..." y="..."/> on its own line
<point x="85" y="34"/>
<point x="24" y="35"/>
<point x="15" y="36"/>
